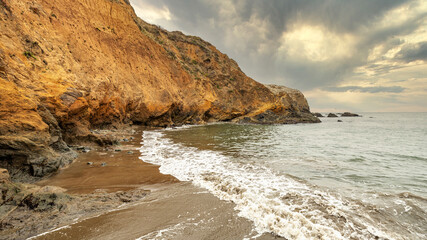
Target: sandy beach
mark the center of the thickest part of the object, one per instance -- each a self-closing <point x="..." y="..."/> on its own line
<point x="171" y="209"/>
<point x="115" y="168"/>
<point x="175" y="211"/>
<point x="137" y="119"/>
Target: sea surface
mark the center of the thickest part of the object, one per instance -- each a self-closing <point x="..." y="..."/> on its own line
<point x="363" y="178"/>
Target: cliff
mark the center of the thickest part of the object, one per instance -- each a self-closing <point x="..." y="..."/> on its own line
<point x="67" y="67"/>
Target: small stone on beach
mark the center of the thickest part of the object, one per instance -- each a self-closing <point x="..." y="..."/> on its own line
<point x="89" y="163"/>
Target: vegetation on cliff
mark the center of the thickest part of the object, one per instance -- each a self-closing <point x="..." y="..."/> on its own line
<point x="67" y="67"/>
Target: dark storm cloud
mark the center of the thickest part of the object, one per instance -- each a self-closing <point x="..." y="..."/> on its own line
<point x="256" y="30"/>
<point x="392" y="89"/>
<point x="413" y="52"/>
<point x="305" y="76"/>
<point x="336" y="14"/>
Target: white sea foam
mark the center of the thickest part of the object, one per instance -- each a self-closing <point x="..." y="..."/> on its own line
<point x="275" y="203"/>
<point x="47" y="232"/>
<point x="171" y="231"/>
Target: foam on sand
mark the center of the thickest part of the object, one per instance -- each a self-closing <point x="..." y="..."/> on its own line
<point x="275" y="203"/>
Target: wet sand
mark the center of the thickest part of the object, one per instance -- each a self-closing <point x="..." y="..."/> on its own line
<point x="172" y="210"/>
<point x="178" y="211"/>
<point x="123" y="169"/>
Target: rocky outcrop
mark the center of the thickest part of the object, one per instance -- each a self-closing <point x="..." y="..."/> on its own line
<point x="290" y="107"/>
<point x="349" y="114"/>
<point x="27" y="209"/>
<point x="318" y="114"/>
<point x="67" y="67"/>
<point x="332" y="115"/>
<point x="4" y="175"/>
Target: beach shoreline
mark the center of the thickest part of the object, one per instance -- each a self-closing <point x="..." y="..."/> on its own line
<point x="173" y="211"/>
<point x="111" y="168"/>
<point x="116" y="195"/>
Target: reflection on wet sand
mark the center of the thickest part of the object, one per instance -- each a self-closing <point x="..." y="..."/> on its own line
<point x="113" y="169"/>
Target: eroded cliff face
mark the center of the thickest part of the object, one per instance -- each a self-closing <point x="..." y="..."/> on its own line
<point x="67" y="67"/>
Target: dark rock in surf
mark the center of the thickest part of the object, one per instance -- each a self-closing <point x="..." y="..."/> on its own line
<point x="349" y="114"/>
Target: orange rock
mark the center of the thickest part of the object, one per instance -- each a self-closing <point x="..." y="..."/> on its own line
<point x="4" y="175"/>
<point x="69" y="66"/>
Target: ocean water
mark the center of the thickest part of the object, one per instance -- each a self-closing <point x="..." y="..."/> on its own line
<point x="363" y="178"/>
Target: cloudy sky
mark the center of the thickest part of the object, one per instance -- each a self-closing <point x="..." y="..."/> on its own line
<point x="359" y="55"/>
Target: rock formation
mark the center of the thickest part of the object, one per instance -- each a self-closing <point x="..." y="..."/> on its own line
<point x="292" y="107"/>
<point x="349" y="114"/>
<point x="333" y="115"/>
<point x="67" y="67"/>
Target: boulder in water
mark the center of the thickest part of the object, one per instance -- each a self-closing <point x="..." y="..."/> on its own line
<point x="349" y="114"/>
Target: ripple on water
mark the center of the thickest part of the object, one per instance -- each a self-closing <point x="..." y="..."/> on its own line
<point x="275" y="203"/>
<point x="357" y="172"/>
